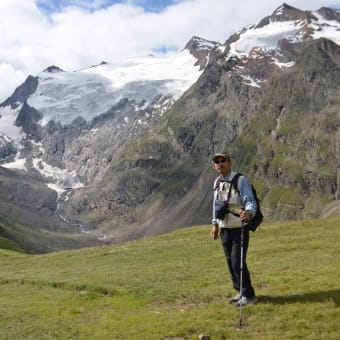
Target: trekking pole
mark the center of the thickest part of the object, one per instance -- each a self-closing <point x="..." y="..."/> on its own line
<point x="241" y="273"/>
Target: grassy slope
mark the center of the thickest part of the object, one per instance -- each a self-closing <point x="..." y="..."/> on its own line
<point x="10" y="245"/>
<point x="176" y="285"/>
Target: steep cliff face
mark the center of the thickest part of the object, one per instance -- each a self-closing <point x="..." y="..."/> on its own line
<point x="7" y="148"/>
<point x="298" y="132"/>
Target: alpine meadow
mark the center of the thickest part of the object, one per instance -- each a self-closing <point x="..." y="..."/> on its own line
<point x="171" y="287"/>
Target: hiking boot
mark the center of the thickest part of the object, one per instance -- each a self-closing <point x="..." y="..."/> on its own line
<point x="235" y="298"/>
<point x="246" y="301"/>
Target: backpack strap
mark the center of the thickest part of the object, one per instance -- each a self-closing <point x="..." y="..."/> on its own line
<point x="236" y="181"/>
<point x="235" y="184"/>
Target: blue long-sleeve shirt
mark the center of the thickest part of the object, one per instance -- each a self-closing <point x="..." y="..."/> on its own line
<point x="246" y="194"/>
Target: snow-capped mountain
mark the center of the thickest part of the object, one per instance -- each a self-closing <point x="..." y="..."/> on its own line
<point x="287" y="23"/>
<point x="57" y="115"/>
<point x="151" y="85"/>
<point x="265" y="40"/>
<point x="64" y="96"/>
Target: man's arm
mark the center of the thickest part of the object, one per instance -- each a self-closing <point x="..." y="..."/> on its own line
<point x="214" y="229"/>
<point x="214" y="220"/>
<point x="247" y="199"/>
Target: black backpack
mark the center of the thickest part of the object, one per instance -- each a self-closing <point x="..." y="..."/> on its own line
<point x="258" y="217"/>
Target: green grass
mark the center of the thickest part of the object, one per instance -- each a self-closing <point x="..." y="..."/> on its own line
<point x="10" y="245"/>
<point x="176" y="286"/>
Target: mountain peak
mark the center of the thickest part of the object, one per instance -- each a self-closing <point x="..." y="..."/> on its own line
<point x="100" y="64"/>
<point x="200" y="43"/>
<point x="53" y="69"/>
<point x="287" y="12"/>
<point x="200" y="49"/>
<point x="289" y="23"/>
<point x="283" y="13"/>
<point x="21" y="93"/>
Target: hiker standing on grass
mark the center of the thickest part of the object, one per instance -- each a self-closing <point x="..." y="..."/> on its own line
<point x="241" y="208"/>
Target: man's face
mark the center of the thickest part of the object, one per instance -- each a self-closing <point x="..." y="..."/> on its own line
<point x="222" y="166"/>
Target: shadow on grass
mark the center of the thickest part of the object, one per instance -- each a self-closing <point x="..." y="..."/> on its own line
<point x="328" y="295"/>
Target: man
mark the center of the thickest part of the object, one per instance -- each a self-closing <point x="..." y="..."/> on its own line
<point x="241" y="208"/>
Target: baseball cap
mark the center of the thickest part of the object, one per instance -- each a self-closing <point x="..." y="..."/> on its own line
<point x="221" y="155"/>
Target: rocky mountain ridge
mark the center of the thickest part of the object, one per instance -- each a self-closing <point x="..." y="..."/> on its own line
<point x="269" y="95"/>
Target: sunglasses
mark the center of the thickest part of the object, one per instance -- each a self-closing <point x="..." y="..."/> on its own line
<point x="220" y="161"/>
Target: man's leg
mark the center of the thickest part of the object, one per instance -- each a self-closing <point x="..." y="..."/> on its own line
<point x="227" y="243"/>
<point x="247" y="289"/>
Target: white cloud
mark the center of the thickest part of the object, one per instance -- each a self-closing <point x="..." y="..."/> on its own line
<point x="88" y="32"/>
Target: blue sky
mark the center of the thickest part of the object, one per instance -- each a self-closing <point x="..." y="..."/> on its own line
<point x="74" y="34"/>
<point x="50" y="6"/>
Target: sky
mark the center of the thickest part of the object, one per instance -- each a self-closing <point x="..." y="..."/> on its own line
<point x="76" y="34"/>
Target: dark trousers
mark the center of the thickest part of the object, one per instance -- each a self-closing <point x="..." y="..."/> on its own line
<point x="231" y="242"/>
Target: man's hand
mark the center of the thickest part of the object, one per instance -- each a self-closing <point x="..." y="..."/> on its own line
<point x="214" y="232"/>
<point x="245" y="216"/>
